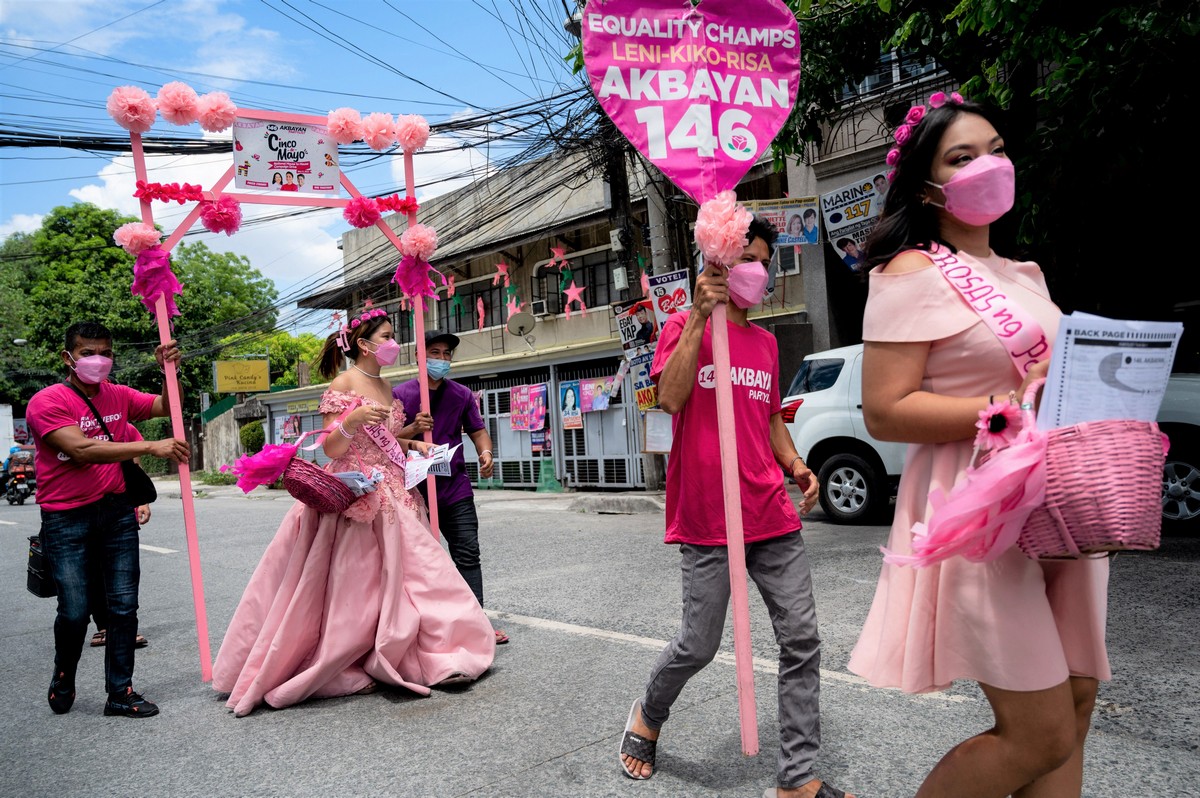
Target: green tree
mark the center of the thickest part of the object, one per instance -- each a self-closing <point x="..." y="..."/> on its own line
<point x="285" y="352"/>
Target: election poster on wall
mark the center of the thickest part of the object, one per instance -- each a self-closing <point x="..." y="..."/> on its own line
<point x="850" y="213"/>
<point x="644" y="388"/>
<point x="595" y="393"/>
<point x="284" y="156"/>
<point x="670" y="293"/>
<point x="568" y="402"/>
<point x="537" y="407"/>
<point x="795" y="218"/>
<point x="518" y="408"/>
<point x="637" y="326"/>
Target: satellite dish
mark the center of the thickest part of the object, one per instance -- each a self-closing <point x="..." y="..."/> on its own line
<point x="521" y="324"/>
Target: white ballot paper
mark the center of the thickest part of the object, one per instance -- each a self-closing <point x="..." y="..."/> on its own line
<point x="417" y="468"/>
<point x="1107" y="369"/>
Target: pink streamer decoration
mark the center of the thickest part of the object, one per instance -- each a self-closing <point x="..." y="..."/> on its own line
<point x="479" y="311"/>
<point x="412" y="276"/>
<point x="152" y="278"/>
<point x="450" y="286"/>
<point x="222" y="216"/>
<point x="501" y="274"/>
<point x="265" y="467"/>
<point x="361" y="212"/>
<point x="131" y="108"/>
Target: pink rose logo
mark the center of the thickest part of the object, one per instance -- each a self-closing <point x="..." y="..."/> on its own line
<point x="739" y="143"/>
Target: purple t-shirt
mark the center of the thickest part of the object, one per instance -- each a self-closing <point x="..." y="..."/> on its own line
<point x="454" y="412"/>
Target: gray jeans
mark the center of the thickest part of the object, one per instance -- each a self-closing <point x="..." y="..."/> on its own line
<point x="780" y="568"/>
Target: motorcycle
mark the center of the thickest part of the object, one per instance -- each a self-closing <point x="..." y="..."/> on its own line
<point x="19" y="486"/>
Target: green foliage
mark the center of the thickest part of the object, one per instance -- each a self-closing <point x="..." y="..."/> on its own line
<point x="214" y="478"/>
<point x="154" y="429"/>
<point x="252" y="436"/>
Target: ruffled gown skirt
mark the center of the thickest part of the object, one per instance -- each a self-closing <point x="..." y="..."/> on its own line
<point x="335" y="604"/>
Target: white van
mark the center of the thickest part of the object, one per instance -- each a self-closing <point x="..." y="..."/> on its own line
<point x="823" y="412"/>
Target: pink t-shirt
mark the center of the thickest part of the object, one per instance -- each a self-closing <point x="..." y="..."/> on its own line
<point x="62" y="483"/>
<point x="695" y="503"/>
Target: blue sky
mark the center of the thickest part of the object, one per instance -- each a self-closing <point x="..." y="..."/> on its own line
<point x="59" y="60"/>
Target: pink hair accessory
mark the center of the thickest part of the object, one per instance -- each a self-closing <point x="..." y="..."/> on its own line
<point x="893" y="156"/>
<point x="937" y="99"/>
<point x="152" y="278"/>
<point x="915" y="114"/>
<point x="345" y="125"/>
<point x="958" y="98"/>
<point x="222" y="216"/>
<point x="420" y="241"/>
<point x="131" y="108"/>
<point x="178" y="103"/>
<point x="136" y="237"/>
<point x="412" y="132"/>
<point x="361" y="212"/>
<point x="379" y="131"/>
<point x="216" y="111"/>
<point x="903" y="134"/>
<point x="354" y="323"/>
<point x="721" y="228"/>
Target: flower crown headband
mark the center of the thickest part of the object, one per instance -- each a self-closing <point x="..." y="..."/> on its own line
<point x="911" y="120"/>
<point x="343" y="339"/>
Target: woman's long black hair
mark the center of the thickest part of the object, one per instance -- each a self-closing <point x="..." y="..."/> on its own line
<point x="329" y="361"/>
<point x="907" y="222"/>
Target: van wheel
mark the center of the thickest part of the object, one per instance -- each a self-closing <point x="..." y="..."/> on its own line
<point x="1181" y="485"/>
<point x="852" y="490"/>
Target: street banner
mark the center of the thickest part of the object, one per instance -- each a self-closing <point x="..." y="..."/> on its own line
<point x="568" y="402"/>
<point x="850" y="214"/>
<point x="637" y="326"/>
<point x="284" y="156"/>
<point x="794" y="218"/>
<point x="669" y="294"/>
<point x="518" y="408"/>
<point x="537" y="407"/>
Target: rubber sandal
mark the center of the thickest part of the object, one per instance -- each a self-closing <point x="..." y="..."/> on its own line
<point x="827" y="791"/>
<point x="636" y="746"/>
<point x="501" y="638"/>
<point x="100" y="638"/>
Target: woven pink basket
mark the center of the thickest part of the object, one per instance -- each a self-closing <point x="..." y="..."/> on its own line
<point x="316" y="487"/>
<point x="1085" y="512"/>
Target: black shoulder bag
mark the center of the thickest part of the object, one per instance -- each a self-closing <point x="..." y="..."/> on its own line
<point x="139" y="488"/>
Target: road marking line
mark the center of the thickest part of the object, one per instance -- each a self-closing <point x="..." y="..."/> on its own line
<point x="760" y="664"/>
<point x="157" y="549"/>
<point x="9" y="523"/>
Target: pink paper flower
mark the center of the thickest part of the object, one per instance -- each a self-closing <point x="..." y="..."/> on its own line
<point x="891" y="175"/>
<point x="216" y="111"/>
<point x="412" y="132"/>
<point x="345" y="125"/>
<point x="152" y="278"/>
<point x="902" y="134"/>
<point x="136" y="237"/>
<point x="222" y="216"/>
<point x="998" y="424"/>
<point x="915" y="114"/>
<point x="958" y="98"/>
<point x="379" y="131"/>
<point x="361" y="212"/>
<point x="721" y="228"/>
<point x="131" y="108"/>
<point x="937" y="99"/>
<point x="177" y="102"/>
<point x="893" y="156"/>
<point x="419" y="241"/>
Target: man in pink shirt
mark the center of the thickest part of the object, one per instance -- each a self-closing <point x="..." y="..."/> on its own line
<point x="88" y="526"/>
<point x="775" y="558"/>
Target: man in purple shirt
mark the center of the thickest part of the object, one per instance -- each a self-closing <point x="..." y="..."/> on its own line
<point x="453" y="411"/>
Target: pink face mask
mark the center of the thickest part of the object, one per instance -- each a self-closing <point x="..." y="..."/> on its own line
<point x="93" y="369"/>
<point x="981" y="192"/>
<point x="386" y="352"/>
<point x="747" y="281"/>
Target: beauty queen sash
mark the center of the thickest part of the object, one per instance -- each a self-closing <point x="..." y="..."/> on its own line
<point x="1023" y="338"/>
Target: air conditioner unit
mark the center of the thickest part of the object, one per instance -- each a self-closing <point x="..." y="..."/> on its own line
<point x="538" y="308"/>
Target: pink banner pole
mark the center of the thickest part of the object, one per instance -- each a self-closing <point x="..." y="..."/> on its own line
<point x="734" y="541"/>
<point x="177" y="430"/>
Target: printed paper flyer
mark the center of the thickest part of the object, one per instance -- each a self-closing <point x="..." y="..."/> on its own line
<point x="284" y="156"/>
<point x="850" y="214"/>
<point x="571" y="410"/>
<point x="669" y="294"/>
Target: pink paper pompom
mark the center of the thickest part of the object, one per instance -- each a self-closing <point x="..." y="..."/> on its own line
<point x="222" y="216"/>
<point x="902" y="134"/>
<point x="361" y="212"/>
<point x="915" y="114"/>
<point x="177" y="102"/>
<point x="937" y="99"/>
<point x="136" y="237"/>
<point x="345" y="125"/>
<point x="131" y="108"/>
<point x="721" y="228"/>
<point x="216" y="111"/>
<point x="379" y="131"/>
<point x="419" y="241"/>
<point x="263" y="468"/>
<point x="893" y="156"/>
<point x="412" y="132"/>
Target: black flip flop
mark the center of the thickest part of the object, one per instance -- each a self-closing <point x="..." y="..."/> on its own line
<point x="636" y="746"/>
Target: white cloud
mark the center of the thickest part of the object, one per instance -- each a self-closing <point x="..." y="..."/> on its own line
<point x="442" y="172"/>
<point x="21" y="223"/>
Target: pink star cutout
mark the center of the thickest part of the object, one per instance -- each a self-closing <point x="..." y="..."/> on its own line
<point x="513" y="306"/>
<point x="450" y="286"/>
<point x="645" y="285"/>
<point x="501" y="272"/>
<point x="575" y="294"/>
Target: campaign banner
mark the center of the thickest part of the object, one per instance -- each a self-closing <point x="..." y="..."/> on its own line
<point x="644" y="388"/>
<point x="537" y="407"/>
<point x="669" y="294"/>
<point x="637" y="326"/>
<point x="518" y="408"/>
<point x="794" y="218"/>
<point x="284" y="156"/>
<point x="568" y="402"/>
<point x="699" y="91"/>
<point x="594" y="394"/>
<point x="850" y="214"/>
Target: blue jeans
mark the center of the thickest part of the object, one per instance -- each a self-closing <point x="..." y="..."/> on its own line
<point x="459" y="523"/>
<point x="98" y="540"/>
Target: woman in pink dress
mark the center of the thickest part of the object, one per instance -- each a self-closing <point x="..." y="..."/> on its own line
<point x="1031" y="633"/>
<point x="340" y="602"/>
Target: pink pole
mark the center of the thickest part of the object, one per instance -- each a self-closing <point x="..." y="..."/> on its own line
<point x="177" y="430"/>
<point x="743" y="662"/>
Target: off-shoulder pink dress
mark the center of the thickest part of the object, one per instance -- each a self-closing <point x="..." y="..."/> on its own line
<point x="1014" y="623"/>
<point x="338" y="601"/>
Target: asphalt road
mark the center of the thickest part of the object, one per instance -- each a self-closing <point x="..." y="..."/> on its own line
<point x="588" y="600"/>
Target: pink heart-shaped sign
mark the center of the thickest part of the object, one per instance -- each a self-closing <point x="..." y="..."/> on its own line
<point x="699" y="91"/>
